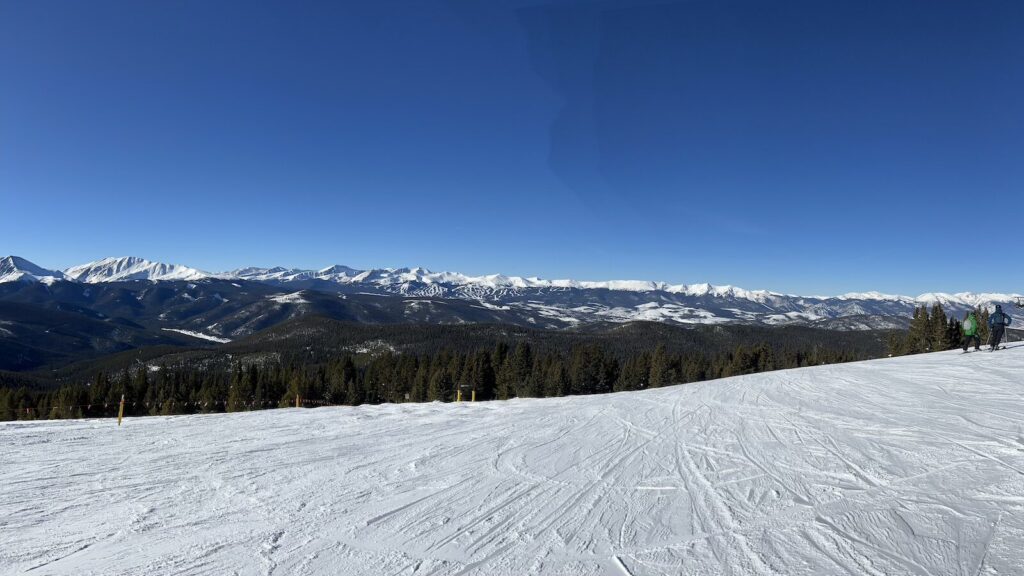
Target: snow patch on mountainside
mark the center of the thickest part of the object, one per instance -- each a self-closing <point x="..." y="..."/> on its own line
<point x="200" y="335"/>
<point x="293" y="298"/>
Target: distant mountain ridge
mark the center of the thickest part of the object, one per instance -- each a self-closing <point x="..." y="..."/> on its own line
<point x="509" y="299"/>
<point x="16" y="269"/>
<point x="131" y="268"/>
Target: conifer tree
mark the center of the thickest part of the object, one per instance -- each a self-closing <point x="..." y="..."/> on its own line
<point x="659" y="374"/>
<point x="522" y="364"/>
<point x="255" y="386"/>
<point x="918" y="335"/>
<point x="100" y="389"/>
<point x="140" y="385"/>
<point x="353" y="393"/>
<point x="556" y="382"/>
<point x="505" y="380"/>
<point x="938" y="323"/>
<point x="438" y="387"/>
<point x="237" y="396"/>
<point x="296" y="389"/>
<point x="484" y="376"/>
<point x="983" y="329"/>
<point x="954" y="333"/>
<point x="419" y="385"/>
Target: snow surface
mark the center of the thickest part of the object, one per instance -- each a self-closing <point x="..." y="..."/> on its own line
<point x="293" y="298"/>
<point x="194" y="334"/>
<point x="901" y="466"/>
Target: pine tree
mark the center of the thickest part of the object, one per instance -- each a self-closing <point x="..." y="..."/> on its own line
<point x="440" y="382"/>
<point x="659" y="374"/>
<point x="557" y="380"/>
<point x="353" y="393"/>
<point x="983" y="329"/>
<point x="522" y="366"/>
<point x="628" y="377"/>
<point x="419" y="385"/>
<point x="954" y="333"/>
<point x="296" y="389"/>
<point x="485" y="376"/>
<point x="938" y="323"/>
<point x="139" y="388"/>
<point x="505" y="380"/>
<point x="404" y="375"/>
<point x="237" y="396"/>
<point x="919" y="333"/>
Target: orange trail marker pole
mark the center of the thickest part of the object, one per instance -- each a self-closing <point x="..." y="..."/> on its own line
<point x="120" y="411"/>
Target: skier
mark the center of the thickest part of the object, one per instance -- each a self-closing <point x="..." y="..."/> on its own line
<point x="997" y="323"/>
<point x="971" y="332"/>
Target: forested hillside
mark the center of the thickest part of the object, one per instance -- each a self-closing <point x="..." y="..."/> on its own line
<point x="322" y="361"/>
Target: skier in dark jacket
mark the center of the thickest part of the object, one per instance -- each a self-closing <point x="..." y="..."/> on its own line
<point x="971" y="331"/>
<point x="997" y="324"/>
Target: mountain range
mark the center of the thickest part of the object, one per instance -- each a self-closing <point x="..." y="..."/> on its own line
<point x="230" y="304"/>
<point x="52" y="318"/>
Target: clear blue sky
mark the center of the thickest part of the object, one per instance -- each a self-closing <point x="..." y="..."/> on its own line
<point x="799" y="146"/>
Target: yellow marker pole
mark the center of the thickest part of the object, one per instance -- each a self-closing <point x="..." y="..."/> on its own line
<point x="120" y="411"/>
<point x="458" y="395"/>
<point x="297" y="400"/>
<point x="474" y="395"/>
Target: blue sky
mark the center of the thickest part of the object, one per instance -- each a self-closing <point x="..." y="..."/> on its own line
<point x="799" y="146"/>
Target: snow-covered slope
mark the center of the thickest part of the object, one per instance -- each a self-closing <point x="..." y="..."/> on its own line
<point x="906" y="466"/>
<point x="16" y="269"/>
<point x="131" y="268"/>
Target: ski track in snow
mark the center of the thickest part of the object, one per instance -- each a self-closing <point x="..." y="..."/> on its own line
<point x="901" y="466"/>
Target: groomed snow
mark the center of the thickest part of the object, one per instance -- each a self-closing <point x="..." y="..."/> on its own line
<point x="901" y="466"/>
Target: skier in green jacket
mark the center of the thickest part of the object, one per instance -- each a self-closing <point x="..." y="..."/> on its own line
<point x="970" y="326"/>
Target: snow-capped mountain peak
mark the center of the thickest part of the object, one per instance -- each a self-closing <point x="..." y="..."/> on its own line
<point x="964" y="298"/>
<point x="275" y="274"/>
<point x="131" y="268"/>
<point x="336" y="271"/>
<point x="539" y="301"/>
<point x="17" y="269"/>
<point x="871" y="296"/>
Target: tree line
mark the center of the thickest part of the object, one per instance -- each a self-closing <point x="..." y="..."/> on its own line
<point x="505" y="371"/>
<point x="934" y="331"/>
